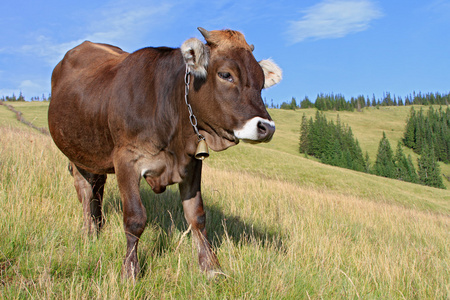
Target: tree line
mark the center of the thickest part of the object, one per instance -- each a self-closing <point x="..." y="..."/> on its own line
<point x="337" y="102"/>
<point x="13" y="98"/>
<point x="334" y="144"/>
<point x="22" y="98"/>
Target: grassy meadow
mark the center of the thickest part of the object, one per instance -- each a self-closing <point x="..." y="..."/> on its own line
<point x="283" y="226"/>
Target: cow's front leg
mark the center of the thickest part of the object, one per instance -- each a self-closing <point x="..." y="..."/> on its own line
<point x="134" y="214"/>
<point x="195" y="215"/>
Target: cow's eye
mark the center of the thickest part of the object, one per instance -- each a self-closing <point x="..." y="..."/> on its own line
<point x="226" y="76"/>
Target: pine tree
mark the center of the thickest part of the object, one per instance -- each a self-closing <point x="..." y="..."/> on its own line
<point x="21" y="97"/>
<point x="419" y="133"/>
<point x="409" y="136"/>
<point x="374" y="101"/>
<point x="405" y="170"/>
<point x="367" y="163"/>
<point x="384" y="164"/>
<point x="304" y="142"/>
<point x="293" y="104"/>
<point x="429" y="171"/>
<point x="412" y="174"/>
<point x="306" y="103"/>
<point x="312" y="141"/>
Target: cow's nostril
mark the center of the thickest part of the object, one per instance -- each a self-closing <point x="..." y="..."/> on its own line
<point x="265" y="130"/>
<point x="262" y="128"/>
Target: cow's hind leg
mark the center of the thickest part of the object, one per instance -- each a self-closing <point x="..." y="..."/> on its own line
<point x="89" y="188"/>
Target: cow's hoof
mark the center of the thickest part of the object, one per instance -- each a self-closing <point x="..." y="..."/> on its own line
<point x="130" y="271"/>
<point x="90" y="229"/>
<point x="215" y="275"/>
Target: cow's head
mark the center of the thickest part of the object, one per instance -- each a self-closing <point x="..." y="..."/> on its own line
<point x="226" y="88"/>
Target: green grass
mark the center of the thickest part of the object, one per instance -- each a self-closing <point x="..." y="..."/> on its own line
<point x="367" y="126"/>
<point x="282" y="226"/>
<point x="34" y="112"/>
<point x="8" y="118"/>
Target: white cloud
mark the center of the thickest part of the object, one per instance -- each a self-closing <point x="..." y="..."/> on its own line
<point x="28" y="85"/>
<point x="333" y="19"/>
<point x="124" y="20"/>
<point x="48" y="49"/>
<point x="32" y="88"/>
<point x="116" y="23"/>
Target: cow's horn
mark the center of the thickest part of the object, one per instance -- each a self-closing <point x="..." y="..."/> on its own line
<point x="204" y="32"/>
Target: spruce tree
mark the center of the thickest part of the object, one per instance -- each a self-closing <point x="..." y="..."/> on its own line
<point x="293" y="104"/>
<point x="311" y="137"/>
<point x="429" y="171"/>
<point x="367" y="163"/>
<point x="419" y="133"/>
<point x="316" y="130"/>
<point x="405" y="170"/>
<point x="399" y="159"/>
<point x="384" y="164"/>
<point x="409" y="136"/>
<point x="412" y="174"/>
<point x="304" y="135"/>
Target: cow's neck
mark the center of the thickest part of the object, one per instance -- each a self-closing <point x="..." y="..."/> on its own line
<point x="168" y="135"/>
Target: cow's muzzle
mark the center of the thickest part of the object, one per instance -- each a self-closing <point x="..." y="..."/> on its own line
<point x="256" y="130"/>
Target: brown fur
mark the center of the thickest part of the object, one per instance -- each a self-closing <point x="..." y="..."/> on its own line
<point x="115" y="112"/>
<point x="227" y="39"/>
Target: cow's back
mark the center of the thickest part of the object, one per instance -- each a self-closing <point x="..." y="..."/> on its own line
<point x="81" y="89"/>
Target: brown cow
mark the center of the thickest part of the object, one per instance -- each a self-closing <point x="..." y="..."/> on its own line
<point x="143" y="114"/>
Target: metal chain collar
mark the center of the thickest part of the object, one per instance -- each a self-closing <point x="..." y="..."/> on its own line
<point x="192" y="118"/>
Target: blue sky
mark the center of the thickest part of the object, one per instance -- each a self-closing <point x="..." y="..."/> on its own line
<point x="352" y="47"/>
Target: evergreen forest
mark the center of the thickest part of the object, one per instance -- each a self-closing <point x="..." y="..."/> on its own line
<point x="337" y="102"/>
<point x="432" y="130"/>
<point x="334" y="144"/>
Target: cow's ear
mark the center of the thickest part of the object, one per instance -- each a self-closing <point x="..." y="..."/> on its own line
<point x="272" y="72"/>
<point x="196" y="55"/>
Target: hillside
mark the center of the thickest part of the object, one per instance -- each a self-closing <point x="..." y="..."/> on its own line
<point x="367" y="126"/>
<point x="283" y="226"/>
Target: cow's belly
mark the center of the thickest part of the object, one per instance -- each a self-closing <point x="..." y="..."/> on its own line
<point x="82" y="137"/>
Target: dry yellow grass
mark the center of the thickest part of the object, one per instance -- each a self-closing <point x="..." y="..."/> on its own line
<point x="357" y="246"/>
<point x="277" y="235"/>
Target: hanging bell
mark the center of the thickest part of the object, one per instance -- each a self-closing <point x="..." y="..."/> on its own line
<point x="202" y="150"/>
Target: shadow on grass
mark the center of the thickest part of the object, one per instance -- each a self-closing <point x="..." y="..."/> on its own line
<point x="165" y="213"/>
